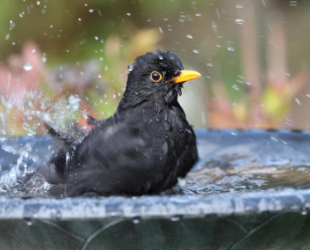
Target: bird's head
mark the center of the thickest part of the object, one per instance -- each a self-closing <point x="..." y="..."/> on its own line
<point x="156" y="77"/>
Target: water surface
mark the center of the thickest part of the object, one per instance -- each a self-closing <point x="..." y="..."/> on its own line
<point x="230" y="161"/>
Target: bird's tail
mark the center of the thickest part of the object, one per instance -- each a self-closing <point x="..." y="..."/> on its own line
<point x="51" y="131"/>
<point x="65" y="139"/>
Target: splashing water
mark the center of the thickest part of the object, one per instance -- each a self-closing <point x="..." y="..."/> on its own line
<point x="27" y="66"/>
<point x="130" y="67"/>
<point x="239" y="21"/>
<point x="37" y="109"/>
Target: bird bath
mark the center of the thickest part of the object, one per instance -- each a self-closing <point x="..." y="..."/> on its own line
<point x="250" y="190"/>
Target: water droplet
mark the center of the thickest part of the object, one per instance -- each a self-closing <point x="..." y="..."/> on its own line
<point x="231" y="49"/>
<point x="198" y="14"/>
<point x="74" y="103"/>
<point x="196" y="51"/>
<point x="136" y="221"/>
<point x="239" y="6"/>
<point x="80" y="19"/>
<point x="189" y="36"/>
<point x="96" y="38"/>
<point x="7" y="37"/>
<point x="160" y="57"/>
<point x="29" y="223"/>
<point x="182" y="182"/>
<point x="130" y="67"/>
<point x="27" y="66"/>
<point x="235" y="87"/>
<point x="239" y="21"/>
<point x="161" y="31"/>
<point x="297" y="101"/>
<point x="51" y="26"/>
<point x="175" y="218"/>
<point x="210" y="64"/>
<point x="38" y="2"/>
<point x="44" y="59"/>
<point x="99" y="76"/>
<point x="91" y="10"/>
<point x="128" y="14"/>
<point x="33" y="50"/>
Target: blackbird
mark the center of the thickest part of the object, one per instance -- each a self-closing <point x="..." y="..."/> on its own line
<point x="142" y="149"/>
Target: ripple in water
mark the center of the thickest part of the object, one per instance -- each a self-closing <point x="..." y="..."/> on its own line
<point x="246" y="173"/>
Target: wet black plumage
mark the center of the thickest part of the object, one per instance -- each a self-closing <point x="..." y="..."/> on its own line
<point x="142" y="149"/>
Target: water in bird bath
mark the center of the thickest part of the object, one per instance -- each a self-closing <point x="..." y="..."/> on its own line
<point x="215" y="173"/>
<point x="246" y="173"/>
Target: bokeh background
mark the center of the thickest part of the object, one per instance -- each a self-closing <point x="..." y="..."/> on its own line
<point x="61" y="60"/>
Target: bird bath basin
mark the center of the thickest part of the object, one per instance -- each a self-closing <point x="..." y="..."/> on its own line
<point x="250" y="190"/>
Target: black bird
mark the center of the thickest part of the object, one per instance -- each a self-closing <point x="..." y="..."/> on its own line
<point x="142" y="149"/>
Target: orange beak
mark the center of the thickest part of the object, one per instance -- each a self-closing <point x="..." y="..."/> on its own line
<point x="186" y="75"/>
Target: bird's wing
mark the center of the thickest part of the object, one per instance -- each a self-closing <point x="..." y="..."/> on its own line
<point x="120" y="159"/>
<point x="121" y="145"/>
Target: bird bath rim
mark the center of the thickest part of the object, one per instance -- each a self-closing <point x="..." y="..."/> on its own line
<point x="150" y="207"/>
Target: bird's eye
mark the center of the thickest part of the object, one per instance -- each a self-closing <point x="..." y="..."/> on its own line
<point x="156" y="76"/>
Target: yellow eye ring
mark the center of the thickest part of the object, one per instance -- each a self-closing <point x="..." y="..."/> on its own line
<point x="156" y="76"/>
